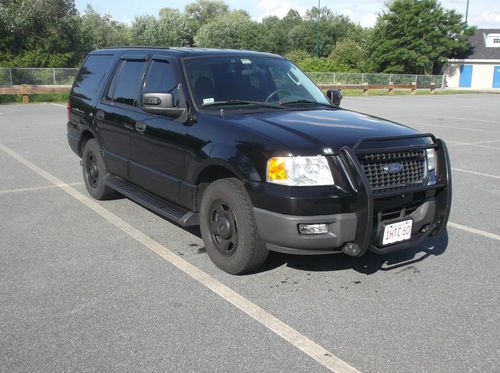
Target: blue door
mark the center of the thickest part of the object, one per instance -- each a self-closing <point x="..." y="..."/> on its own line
<point x="496" y="77"/>
<point x="465" y="76"/>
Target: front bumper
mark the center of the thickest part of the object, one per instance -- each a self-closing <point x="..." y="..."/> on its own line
<point x="280" y="232"/>
<point x="358" y="229"/>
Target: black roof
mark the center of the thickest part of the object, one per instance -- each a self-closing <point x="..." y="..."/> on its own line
<point x="479" y="49"/>
<point x="186" y="51"/>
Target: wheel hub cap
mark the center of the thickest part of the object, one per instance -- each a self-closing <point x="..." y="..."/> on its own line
<point x="224" y="227"/>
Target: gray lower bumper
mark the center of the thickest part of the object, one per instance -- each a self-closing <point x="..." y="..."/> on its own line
<point x="280" y="232"/>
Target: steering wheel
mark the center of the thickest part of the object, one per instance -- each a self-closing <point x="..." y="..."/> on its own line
<point x="274" y="93"/>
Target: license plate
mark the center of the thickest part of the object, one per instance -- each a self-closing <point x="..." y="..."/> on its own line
<point x="396" y="232"/>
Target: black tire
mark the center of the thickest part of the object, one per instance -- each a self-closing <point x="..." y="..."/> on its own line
<point x="94" y="172"/>
<point x="228" y="228"/>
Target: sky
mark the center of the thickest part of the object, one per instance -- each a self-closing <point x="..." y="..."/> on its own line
<point x="482" y="13"/>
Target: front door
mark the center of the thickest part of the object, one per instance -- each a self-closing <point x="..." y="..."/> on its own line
<point x="465" y="76"/>
<point x="496" y="76"/>
<point x="159" y="143"/>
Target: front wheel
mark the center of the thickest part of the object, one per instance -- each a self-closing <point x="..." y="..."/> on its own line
<point x="228" y="228"/>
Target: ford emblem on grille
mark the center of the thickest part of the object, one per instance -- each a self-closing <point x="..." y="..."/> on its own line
<point x="393" y="168"/>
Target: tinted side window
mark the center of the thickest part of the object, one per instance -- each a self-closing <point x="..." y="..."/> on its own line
<point x="127" y="82"/>
<point x="162" y="77"/>
<point x="91" y="75"/>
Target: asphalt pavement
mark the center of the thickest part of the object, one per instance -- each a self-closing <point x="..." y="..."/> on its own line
<point x="94" y="288"/>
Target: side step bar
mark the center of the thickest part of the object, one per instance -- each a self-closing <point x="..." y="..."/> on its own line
<point x="162" y="207"/>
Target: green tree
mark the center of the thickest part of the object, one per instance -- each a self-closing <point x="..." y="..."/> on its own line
<point x="310" y="63"/>
<point x="170" y="29"/>
<point x="274" y="32"/>
<point x="332" y="29"/>
<point x="348" y="52"/>
<point x="203" y="11"/>
<point x="272" y="37"/>
<point x="417" y="37"/>
<point x="100" y="31"/>
<point x="39" y="33"/>
<point x="235" y="30"/>
<point x="297" y="55"/>
<point x="173" y="29"/>
<point x="143" y="30"/>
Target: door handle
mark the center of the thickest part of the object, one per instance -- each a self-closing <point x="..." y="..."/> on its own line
<point x="140" y="127"/>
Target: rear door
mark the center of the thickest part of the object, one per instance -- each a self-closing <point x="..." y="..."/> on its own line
<point x="159" y="143"/>
<point x="85" y="93"/>
<point x="117" y="113"/>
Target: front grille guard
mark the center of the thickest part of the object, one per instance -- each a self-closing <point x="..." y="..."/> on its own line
<point x="365" y="196"/>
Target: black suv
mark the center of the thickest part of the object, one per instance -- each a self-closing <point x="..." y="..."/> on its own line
<point x="248" y="147"/>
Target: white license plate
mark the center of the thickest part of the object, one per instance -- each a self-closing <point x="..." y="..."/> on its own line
<point x="396" y="232"/>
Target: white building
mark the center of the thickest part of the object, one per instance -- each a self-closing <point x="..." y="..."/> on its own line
<point x="481" y="69"/>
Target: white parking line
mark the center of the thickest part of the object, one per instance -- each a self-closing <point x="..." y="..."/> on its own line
<point x="457" y="128"/>
<point x="60" y="105"/>
<point x="473" y="143"/>
<point x="474" y="230"/>
<point x="472" y="120"/>
<point x="300" y="341"/>
<point x="34" y="189"/>
<point x="453" y="144"/>
<point x="485" y="142"/>
<point x="475" y="173"/>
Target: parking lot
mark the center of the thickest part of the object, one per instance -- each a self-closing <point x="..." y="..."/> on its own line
<point x="110" y="286"/>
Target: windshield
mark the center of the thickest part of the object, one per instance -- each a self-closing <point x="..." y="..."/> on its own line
<point x="249" y="81"/>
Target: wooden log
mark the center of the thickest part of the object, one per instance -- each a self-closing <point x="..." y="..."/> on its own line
<point x="25" y="89"/>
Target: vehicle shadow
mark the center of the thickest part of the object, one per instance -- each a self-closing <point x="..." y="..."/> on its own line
<point x="367" y="264"/>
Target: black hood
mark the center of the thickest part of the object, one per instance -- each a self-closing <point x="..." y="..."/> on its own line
<point x="312" y="130"/>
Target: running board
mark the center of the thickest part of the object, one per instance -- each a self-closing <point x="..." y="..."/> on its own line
<point x="162" y="207"/>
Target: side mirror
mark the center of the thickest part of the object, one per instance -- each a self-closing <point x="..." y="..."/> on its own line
<point x="334" y="96"/>
<point x="161" y="104"/>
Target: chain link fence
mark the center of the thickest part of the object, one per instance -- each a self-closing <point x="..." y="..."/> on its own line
<point x="327" y="78"/>
<point x="65" y="76"/>
<point x="37" y="76"/>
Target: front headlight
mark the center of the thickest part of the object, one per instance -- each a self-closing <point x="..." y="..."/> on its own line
<point x="431" y="159"/>
<point x="299" y="171"/>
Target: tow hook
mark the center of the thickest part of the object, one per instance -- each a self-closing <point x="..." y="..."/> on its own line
<point x="351" y="249"/>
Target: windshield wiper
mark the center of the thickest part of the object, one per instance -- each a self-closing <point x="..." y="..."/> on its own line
<point x="304" y="101"/>
<point x="242" y="102"/>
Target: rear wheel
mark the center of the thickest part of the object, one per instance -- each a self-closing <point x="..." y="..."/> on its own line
<point x="228" y="228"/>
<point x="94" y="172"/>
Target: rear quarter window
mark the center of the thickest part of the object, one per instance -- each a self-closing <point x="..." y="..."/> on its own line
<point x="89" y="78"/>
